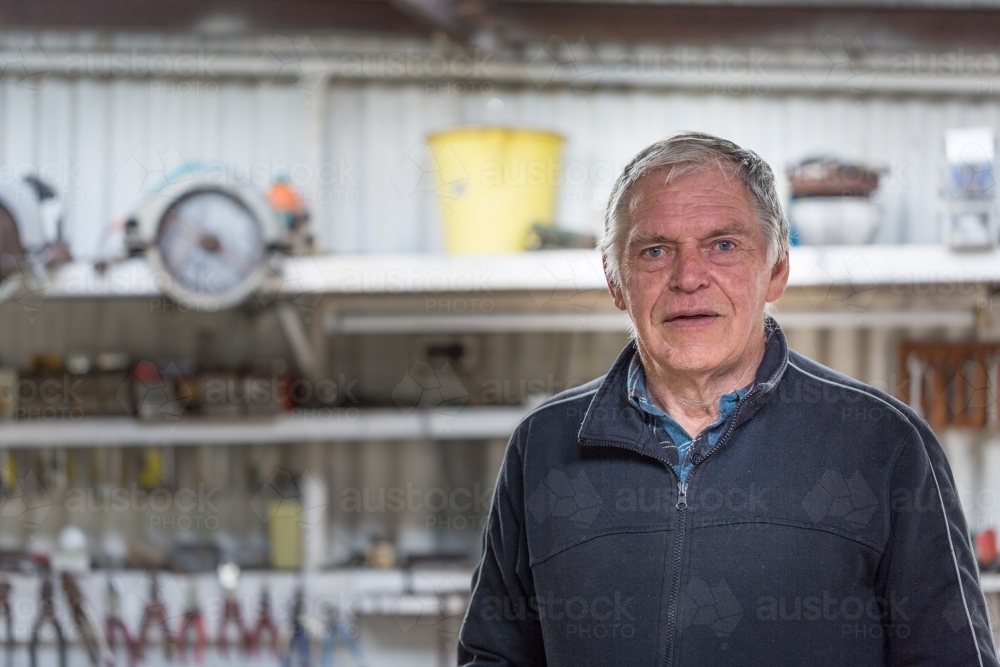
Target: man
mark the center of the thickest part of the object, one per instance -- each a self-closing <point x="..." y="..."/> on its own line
<point x="717" y="499"/>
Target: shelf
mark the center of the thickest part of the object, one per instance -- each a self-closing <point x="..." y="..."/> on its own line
<point x="540" y="272"/>
<point x="990" y="582"/>
<point x="333" y="425"/>
<point x="351" y="323"/>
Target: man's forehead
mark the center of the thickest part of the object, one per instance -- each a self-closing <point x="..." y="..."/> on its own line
<point x="705" y="202"/>
<point x="706" y="185"/>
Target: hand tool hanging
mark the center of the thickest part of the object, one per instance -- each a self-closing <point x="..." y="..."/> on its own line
<point x="228" y="573"/>
<point x="300" y="636"/>
<point x="8" y="623"/>
<point x="193" y="622"/>
<point x="86" y="623"/>
<point x="265" y="624"/>
<point x="113" y="623"/>
<point x="339" y="633"/>
<point x="155" y="612"/>
<point x="47" y="616"/>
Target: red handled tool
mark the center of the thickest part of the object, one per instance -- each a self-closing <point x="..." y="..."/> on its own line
<point x="193" y="622"/>
<point x="229" y="578"/>
<point x="113" y="624"/>
<point x="154" y="613"/>
<point x="265" y="625"/>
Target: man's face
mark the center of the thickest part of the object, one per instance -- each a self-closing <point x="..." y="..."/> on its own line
<point x="694" y="271"/>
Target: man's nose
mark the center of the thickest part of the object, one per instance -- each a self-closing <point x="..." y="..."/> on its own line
<point x="690" y="272"/>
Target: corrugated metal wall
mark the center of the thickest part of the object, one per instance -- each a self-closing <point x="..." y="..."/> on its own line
<point x="107" y="141"/>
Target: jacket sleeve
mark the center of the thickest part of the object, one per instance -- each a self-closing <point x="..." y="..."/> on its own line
<point x="501" y="626"/>
<point x="934" y="612"/>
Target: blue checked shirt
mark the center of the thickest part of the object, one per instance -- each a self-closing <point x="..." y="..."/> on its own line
<point x="672" y="437"/>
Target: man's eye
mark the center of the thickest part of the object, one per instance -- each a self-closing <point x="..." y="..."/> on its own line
<point x="725" y="245"/>
<point x="654" y="252"/>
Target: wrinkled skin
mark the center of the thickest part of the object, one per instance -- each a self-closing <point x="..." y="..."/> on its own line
<point x="695" y="281"/>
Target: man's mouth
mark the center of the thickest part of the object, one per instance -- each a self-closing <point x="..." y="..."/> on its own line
<point x="693" y="318"/>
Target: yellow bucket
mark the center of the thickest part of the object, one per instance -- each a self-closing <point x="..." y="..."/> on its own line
<point x="494" y="183"/>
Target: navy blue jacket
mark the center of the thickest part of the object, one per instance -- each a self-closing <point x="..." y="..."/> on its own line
<point x="823" y="528"/>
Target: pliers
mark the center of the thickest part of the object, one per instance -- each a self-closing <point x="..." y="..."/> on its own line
<point x="265" y="623"/>
<point x="87" y="625"/>
<point x="8" y="623"/>
<point x="336" y="633"/>
<point x="155" y="612"/>
<point x="113" y="623"/>
<point x="193" y="621"/>
<point x="47" y="615"/>
<point x="229" y="578"/>
<point x="300" y="636"/>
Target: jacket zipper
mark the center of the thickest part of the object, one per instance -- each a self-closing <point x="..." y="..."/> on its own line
<point x="675" y="570"/>
<point x="681" y="506"/>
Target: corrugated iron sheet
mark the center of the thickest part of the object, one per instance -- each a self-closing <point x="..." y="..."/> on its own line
<point x="108" y="141"/>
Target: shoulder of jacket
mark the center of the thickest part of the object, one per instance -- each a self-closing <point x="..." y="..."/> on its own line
<point x="574" y="398"/>
<point x="867" y="393"/>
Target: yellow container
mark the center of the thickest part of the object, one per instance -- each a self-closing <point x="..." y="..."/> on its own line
<point x="284" y="532"/>
<point x="494" y="183"/>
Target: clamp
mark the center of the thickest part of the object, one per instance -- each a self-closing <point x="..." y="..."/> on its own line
<point x="113" y="623"/>
<point x="155" y="612"/>
<point x="47" y="616"/>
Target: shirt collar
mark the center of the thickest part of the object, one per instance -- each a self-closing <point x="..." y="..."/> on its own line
<point x="629" y="427"/>
<point x="639" y="397"/>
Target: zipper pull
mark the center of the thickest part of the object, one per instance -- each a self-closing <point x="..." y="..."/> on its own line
<point x="682" y="495"/>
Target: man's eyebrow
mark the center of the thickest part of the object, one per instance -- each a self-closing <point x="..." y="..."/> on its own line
<point x="733" y="229"/>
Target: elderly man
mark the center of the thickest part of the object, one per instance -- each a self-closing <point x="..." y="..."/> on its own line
<point x="717" y="499"/>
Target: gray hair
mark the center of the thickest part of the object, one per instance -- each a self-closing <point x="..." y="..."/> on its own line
<point x="683" y="154"/>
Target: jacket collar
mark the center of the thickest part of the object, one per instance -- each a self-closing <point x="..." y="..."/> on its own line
<point x="612" y="420"/>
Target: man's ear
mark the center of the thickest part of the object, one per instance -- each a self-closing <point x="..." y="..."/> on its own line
<point x="616" y="290"/>
<point x="779" y="278"/>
